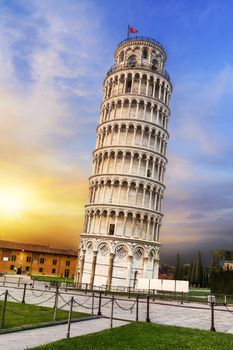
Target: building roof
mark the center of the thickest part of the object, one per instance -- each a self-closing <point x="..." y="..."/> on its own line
<point x="36" y="248"/>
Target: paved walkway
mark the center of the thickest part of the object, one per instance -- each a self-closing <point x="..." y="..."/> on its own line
<point x="193" y="315"/>
<point x="28" y="339"/>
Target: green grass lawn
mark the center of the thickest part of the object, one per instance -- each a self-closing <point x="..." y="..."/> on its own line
<point x="144" y="336"/>
<point x="24" y="314"/>
<point x="52" y="279"/>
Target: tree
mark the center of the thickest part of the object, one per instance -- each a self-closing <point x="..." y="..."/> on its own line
<point x="198" y="270"/>
<point x="192" y="279"/>
<point x="190" y="271"/>
<point x="178" y="267"/>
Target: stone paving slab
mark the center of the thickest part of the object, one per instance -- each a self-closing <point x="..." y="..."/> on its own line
<point x="28" y="339"/>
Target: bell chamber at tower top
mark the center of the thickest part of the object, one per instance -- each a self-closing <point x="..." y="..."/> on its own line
<point x="139" y="70"/>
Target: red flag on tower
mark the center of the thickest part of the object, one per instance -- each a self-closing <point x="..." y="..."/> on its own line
<point x="132" y="30"/>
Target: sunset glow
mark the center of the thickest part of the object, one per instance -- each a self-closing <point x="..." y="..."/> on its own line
<point x="11" y="204"/>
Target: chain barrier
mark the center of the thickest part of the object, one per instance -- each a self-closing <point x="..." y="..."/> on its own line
<point x="123" y="308"/>
<point x="62" y="297"/>
<point x="85" y="307"/>
<point x="11" y="296"/>
<point x="44" y="301"/>
<point x="231" y="311"/>
<point x="61" y="307"/>
<point x="38" y="296"/>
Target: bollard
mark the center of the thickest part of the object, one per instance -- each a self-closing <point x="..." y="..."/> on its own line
<point x="137" y="300"/>
<point x="4" y="309"/>
<point x="55" y="304"/>
<point x="112" y="310"/>
<point x="70" y="316"/>
<point x="19" y="281"/>
<point x="93" y="303"/>
<point x="153" y="295"/>
<point x="24" y="292"/>
<point x="212" y="328"/>
<point x="182" y="298"/>
<point x="99" y="309"/>
<point x="225" y="300"/>
<point x="33" y="283"/>
<point x="86" y="288"/>
<point x="4" y="281"/>
<point x="129" y="292"/>
<point x="148" y="309"/>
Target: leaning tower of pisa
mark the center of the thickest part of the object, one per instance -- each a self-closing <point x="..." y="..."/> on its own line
<point x="120" y="239"/>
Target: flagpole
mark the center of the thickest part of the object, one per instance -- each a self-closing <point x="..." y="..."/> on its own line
<point x="128" y="33"/>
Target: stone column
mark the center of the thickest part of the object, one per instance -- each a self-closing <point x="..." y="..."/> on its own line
<point x="151" y="113"/>
<point x="136" y="116"/>
<point x="145" y="261"/>
<point x="139" y="85"/>
<point x="139" y="164"/>
<point x="95" y="252"/>
<point x="82" y="266"/>
<point x="110" y="270"/>
<point x="128" y="277"/>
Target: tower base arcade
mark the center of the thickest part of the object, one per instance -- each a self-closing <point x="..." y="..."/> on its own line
<point x="115" y="262"/>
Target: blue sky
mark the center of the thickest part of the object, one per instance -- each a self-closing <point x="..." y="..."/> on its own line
<point x="54" y="55"/>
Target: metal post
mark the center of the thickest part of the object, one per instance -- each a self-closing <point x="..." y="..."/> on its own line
<point x="153" y="295"/>
<point x="212" y="328"/>
<point x="93" y="302"/>
<point x="18" y="281"/>
<point x="4" y="309"/>
<point x="112" y="310"/>
<point x="56" y="304"/>
<point x="70" y="316"/>
<point x="182" y="298"/>
<point x="225" y="300"/>
<point x="129" y="292"/>
<point x="137" y="300"/>
<point x="86" y="288"/>
<point x="99" y="309"/>
<point x="4" y="281"/>
<point x="148" y="309"/>
<point x="24" y="293"/>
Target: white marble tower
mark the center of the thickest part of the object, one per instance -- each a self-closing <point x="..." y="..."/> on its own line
<point x="120" y="240"/>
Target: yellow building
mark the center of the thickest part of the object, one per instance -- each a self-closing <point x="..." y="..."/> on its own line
<point x="33" y="259"/>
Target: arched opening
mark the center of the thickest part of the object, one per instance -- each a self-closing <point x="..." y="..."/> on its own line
<point x="132" y="61"/>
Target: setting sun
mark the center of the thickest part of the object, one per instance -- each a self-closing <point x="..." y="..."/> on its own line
<point x="11" y="203"/>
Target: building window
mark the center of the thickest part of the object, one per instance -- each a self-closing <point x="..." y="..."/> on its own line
<point x="128" y="86"/>
<point x="111" y="229"/>
<point x="27" y="268"/>
<point x="40" y="269"/>
<point x="28" y="259"/>
<point x="54" y="261"/>
<point x="66" y="273"/>
<point x="12" y="267"/>
<point x="68" y="263"/>
<point x="13" y="257"/>
<point x="121" y="56"/>
<point x="53" y="270"/>
<point x="132" y="61"/>
<point x="144" y="54"/>
<point x="41" y="260"/>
